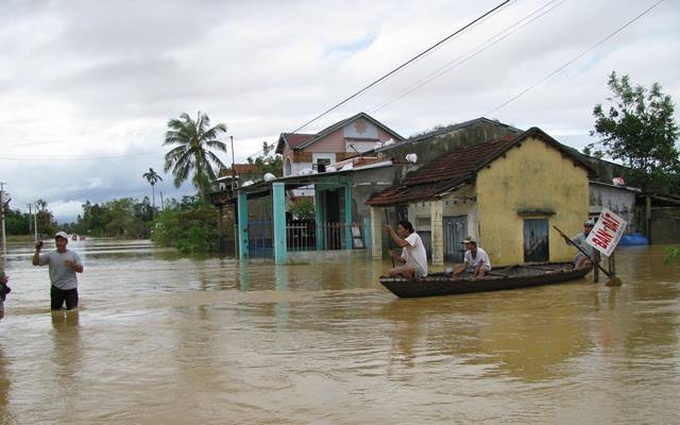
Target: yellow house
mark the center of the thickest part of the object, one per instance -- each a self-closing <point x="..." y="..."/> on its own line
<point x="508" y="193"/>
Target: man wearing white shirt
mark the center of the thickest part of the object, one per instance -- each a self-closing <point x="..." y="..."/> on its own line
<point x="476" y="261"/>
<point x="413" y="258"/>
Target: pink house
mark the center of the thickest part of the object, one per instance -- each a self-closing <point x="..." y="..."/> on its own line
<point x="310" y="153"/>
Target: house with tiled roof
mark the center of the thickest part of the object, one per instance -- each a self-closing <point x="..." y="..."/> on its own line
<point x="308" y="153"/>
<point x="507" y="193"/>
<point x="483" y="178"/>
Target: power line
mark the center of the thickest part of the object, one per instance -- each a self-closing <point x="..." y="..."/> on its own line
<point x="488" y="43"/>
<point x="66" y="158"/>
<point x="577" y="57"/>
<point x="404" y="65"/>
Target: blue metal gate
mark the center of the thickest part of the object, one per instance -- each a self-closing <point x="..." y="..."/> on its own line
<point x="455" y="231"/>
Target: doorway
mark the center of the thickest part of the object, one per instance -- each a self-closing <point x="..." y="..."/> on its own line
<point x="536" y="247"/>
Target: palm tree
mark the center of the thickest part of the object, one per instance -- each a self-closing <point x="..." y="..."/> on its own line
<point x="192" y="155"/>
<point x="152" y="177"/>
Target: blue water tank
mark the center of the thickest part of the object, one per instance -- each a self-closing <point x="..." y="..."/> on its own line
<point x="634" y="239"/>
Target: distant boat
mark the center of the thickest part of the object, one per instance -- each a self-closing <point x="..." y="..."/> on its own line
<point x="500" y="278"/>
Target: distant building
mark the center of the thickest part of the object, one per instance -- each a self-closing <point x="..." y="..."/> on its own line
<point x="304" y="154"/>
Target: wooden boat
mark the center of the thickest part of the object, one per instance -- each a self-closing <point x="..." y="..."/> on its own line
<point x="500" y="278"/>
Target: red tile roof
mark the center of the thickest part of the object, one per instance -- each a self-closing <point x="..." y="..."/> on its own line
<point x="458" y="167"/>
<point x="293" y="140"/>
<point x="240" y="169"/>
<point x="301" y="141"/>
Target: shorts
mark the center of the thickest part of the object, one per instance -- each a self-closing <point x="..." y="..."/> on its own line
<point x="405" y="271"/>
<point x="59" y="296"/>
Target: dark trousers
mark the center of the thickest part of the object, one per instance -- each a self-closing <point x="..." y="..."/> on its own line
<point x="59" y="296"/>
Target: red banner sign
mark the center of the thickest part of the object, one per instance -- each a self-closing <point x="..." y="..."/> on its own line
<point x="607" y="232"/>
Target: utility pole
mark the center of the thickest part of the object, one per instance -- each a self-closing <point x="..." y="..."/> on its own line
<point x="234" y="188"/>
<point x="35" y="222"/>
<point x="2" y="217"/>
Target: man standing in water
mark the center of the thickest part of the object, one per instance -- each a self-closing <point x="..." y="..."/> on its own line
<point x="4" y="290"/>
<point x="63" y="265"/>
<point x="413" y="256"/>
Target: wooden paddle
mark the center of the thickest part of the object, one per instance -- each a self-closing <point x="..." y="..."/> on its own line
<point x="389" y="237"/>
<point x="613" y="280"/>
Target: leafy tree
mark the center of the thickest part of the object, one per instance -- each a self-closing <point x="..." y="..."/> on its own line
<point x="17" y="223"/>
<point x="302" y="209"/>
<point x="269" y="161"/>
<point x="47" y="225"/>
<point x="119" y="218"/>
<point x="152" y="177"/>
<point x="93" y="221"/>
<point x="192" y="156"/>
<point x="187" y="226"/>
<point x="639" y="129"/>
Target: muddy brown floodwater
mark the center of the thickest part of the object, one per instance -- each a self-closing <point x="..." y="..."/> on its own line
<point x="161" y="339"/>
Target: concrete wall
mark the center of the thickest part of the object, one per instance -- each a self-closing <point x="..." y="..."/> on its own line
<point x="430" y="147"/>
<point x="665" y="225"/>
<point x="618" y="199"/>
<point x="532" y="177"/>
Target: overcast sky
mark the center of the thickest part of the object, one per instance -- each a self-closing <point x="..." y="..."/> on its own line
<point x="88" y="86"/>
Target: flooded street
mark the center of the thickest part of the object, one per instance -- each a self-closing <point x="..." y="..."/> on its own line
<point x="161" y="339"/>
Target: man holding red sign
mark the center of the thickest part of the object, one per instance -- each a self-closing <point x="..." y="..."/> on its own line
<point x="579" y="240"/>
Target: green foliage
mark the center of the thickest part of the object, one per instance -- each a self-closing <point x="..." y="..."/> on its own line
<point x="152" y="177"/>
<point x="121" y="218"/>
<point x="17" y="223"/>
<point x="191" y="156"/>
<point x="188" y="226"/>
<point x="672" y="255"/>
<point x="269" y="161"/>
<point x="639" y="129"/>
<point x="302" y="209"/>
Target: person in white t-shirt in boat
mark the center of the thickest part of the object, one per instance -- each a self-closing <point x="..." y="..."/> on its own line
<point x="413" y="258"/>
<point x="476" y="262"/>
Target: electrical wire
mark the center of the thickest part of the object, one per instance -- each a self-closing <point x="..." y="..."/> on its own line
<point x="66" y="158"/>
<point x="460" y="60"/>
<point x="404" y="65"/>
<point x="577" y="57"/>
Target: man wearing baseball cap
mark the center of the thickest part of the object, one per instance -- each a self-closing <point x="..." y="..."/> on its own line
<point x="63" y="266"/>
<point x="476" y="262"/>
<point x="580" y="240"/>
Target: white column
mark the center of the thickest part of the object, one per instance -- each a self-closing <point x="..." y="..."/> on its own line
<point x="437" y="228"/>
<point x="377" y="229"/>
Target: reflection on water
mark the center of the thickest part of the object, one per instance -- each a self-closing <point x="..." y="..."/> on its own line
<point x="208" y="340"/>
